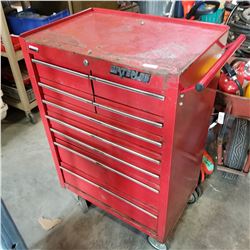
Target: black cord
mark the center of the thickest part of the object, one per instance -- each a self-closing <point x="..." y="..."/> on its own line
<point x="239" y="87"/>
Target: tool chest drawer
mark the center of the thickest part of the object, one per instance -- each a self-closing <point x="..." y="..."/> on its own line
<point x="138" y="137"/>
<point x="123" y="150"/>
<point x="98" y="152"/>
<point x="64" y="76"/>
<point x="120" y="113"/>
<point x="117" y="202"/>
<point x="148" y="122"/>
<point x="133" y="97"/>
<point x="124" y="184"/>
<point x="81" y="100"/>
<point x="120" y="101"/>
<point x="57" y="58"/>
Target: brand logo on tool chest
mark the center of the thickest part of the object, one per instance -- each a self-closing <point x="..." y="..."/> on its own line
<point x="128" y="73"/>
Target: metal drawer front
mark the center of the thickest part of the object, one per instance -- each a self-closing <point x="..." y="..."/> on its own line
<point x="104" y="153"/>
<point x="49" y="65"/>
<point x="106" y="167"/>
<point x="117" y="85"/>
<point x="156" y="124"/>
<point x="104" y="140"/>
<point x="114" y="84"/>
<point x="115" y="195"/>
<point x="102" y="123"/>
<point x="134" y="98"/>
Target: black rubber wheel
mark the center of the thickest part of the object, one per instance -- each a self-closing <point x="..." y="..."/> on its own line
<point x="238" y="144"/>
<point x="193" y="197"/>
<point x="83" y="204"/>
<point x="31" y="118"/>
<point x="199" y="191"/>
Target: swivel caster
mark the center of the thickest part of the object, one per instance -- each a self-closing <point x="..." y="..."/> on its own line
<point x="195" y="195"/>
<point x="83" y="204"/>
<point x="156" y="244"/>
<point x="31" y="118"/>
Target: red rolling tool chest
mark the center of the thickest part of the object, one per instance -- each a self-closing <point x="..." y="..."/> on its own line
<point x="125" y="100"/>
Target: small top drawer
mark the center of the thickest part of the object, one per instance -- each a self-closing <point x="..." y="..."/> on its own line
<point x="61" y="66"/>
<point x="143" y="100"/>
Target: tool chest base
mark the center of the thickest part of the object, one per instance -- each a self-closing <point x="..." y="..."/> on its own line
<point x="120" y="107"/>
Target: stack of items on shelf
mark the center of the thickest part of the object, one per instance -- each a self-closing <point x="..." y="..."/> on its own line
<point x="8" y="82"/>
<point x="15" y="81"/>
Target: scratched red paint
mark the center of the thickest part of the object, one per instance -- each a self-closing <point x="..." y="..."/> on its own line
<point x="133" y="40"/>
<point x="143" y="173"/>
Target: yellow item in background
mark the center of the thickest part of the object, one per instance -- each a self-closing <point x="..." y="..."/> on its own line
<point x="247" y="94"/>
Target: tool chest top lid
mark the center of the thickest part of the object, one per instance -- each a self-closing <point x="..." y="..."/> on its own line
<point x="155" y="43"/>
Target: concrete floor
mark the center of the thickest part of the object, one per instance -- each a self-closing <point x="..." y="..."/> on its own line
<point x="30" y="189"/>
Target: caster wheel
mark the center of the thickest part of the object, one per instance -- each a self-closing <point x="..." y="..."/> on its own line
<point x="31" y="118"/>
<point x="199" y="191"/>
<point x="156" y="244"/>
<point x="193" y="198"/>
<point x="83" y="204"/>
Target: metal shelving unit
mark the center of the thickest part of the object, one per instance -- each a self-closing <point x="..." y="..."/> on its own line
<point x="13" y="57"/>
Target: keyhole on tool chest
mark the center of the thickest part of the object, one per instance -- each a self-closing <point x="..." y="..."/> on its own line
<point x="85" y="62"/>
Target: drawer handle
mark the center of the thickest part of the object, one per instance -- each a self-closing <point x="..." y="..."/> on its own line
<point x="114" y="84"/>
<point x="156" y="124"/>
<point x="109" y="192"/>
<point x="106" y="167"/>
<point x="53" y="66"/>
<point x="103" y="140"/>
<point x="118" y="85"/>
<point x="102" y="123"/>
<point x="33" y="48"/>
<point x="104" y="153"/>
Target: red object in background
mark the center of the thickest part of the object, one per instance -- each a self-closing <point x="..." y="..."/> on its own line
<point x="242" y="70"/>
<point x="187" y="5"/>
<point x="131" y="147"/>
<point x="227" y="85"/>
<point x="15" y="41"/>
<point x="207" y="165"/>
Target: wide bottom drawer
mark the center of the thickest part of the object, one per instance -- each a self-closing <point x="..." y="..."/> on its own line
<point x="121" y="205"/>
<point x="108" y="177"/>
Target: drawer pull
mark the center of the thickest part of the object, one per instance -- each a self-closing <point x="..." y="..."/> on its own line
<point x="103" y="140"/>
<point x="118" y="85"/>
<point x="156" y="124"/>
<point x="104" y="153"/>
<point x="102" y="123"/>
<point x="109" y="192"/>
<point x="33" y="48"/>
<point x="69" y="71"/>
<point x="106" y="167"/>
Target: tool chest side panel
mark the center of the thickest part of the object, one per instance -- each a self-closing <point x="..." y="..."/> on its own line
<point x="193" y="112"/>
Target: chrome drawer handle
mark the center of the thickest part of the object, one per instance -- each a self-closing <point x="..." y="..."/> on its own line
<point x="102" y="123"/>
<point x="118" y="85"/>
<point x="43" y="85"/>
<point x="104" y="153"/>
<point x="106" y="167"/>
<point x="31" y="47"/>
<point x="109" y="192"/>
<point x="69" y="71"/>
<point x="156" y="124"/>
<point x="103" y="140"/>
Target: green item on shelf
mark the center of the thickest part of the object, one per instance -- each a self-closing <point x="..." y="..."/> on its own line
<point x="216" y="17"/>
